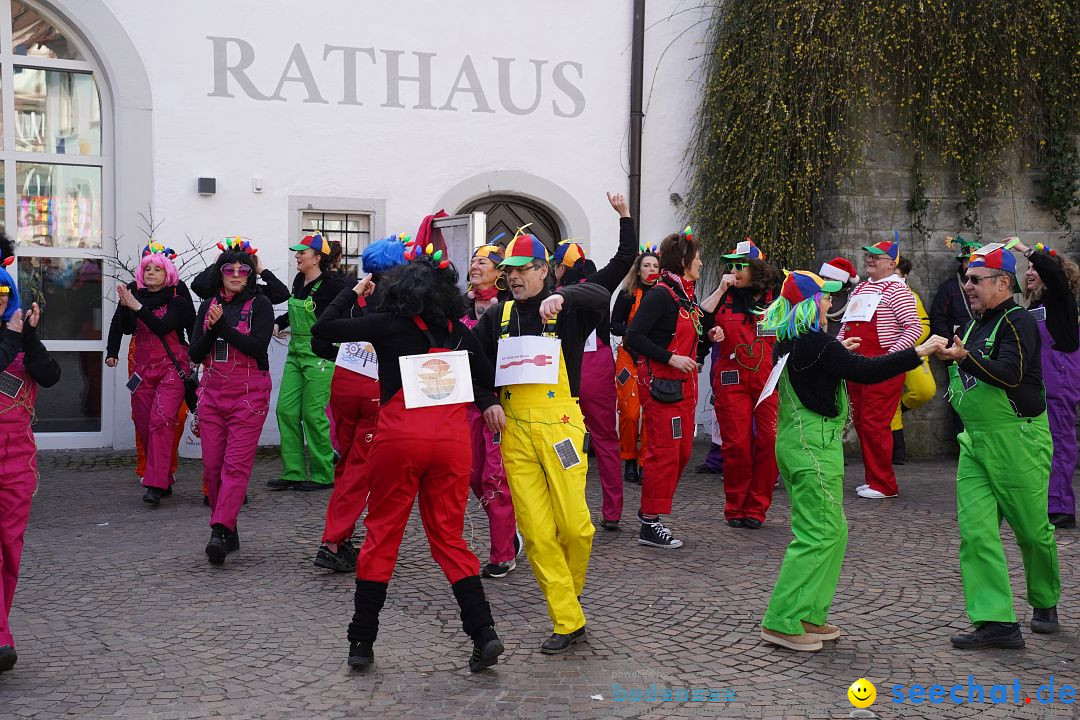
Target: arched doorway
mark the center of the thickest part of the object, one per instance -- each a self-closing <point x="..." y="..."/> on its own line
<point x="506" y="213"/>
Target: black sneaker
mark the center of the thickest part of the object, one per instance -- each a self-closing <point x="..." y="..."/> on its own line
<point x="279" y="484"/>
<point x="153" y="496"/>
<point x="311" y="485"/>
<point x="1062" y="521"/>
<point x="704" y="469"/>
<point x="1044" y="620"/>
<point x="655" y="534"/>
<point x="752" y="523"/>
<point x="8" y="657"/>
<point x="559" y="643"/>
<point x="611" y="525"/>
<point x="218" y="547"/>
<point x="498" y="570"/>
<point x="361" y="654"/>
<point x="630" y="472"/>
<point x="341" y="561"/>
<point x="736" y="523"/>
<point x="487" y="647"/>
<point x="990" y="635"/>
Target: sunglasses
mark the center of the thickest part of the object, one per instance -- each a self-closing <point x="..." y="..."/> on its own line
<point x="737" y="266"/>
<point x="976" y="279"/>
<point x="233" y="271"/>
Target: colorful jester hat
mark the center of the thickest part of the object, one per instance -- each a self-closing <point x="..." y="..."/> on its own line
<point x="746" y="250"/>
<point x="962" y="246"/>
<point x="237" y="244"/>
<point x="414" y="252"/>
<point x="7" y="283"/>
<point x="568" y="253"/>
<point x="155" y="248"/>
<point x="524" y="249"/>
<point x="889" y="249"/>
<point x="314" y="242"/>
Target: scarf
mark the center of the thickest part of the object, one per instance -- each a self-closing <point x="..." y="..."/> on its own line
<point x="484" y="295"/>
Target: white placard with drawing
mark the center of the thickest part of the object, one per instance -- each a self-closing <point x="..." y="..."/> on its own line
<point x="434" y="379"/>
<point x="527" y="360"/>
<point x="360" y="358"/>
<point x="861" y="308"/>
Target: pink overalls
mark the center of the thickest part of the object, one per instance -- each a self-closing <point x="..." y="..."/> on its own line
<point x="234" y="399"/>
<point x="18" y="481"/>
<point x="488" y="481"/>
<point x="598" y="402"/>
<point x="156" y="402"/>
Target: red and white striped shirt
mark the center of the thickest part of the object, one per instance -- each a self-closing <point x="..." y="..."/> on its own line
<point x="896" y="317"/>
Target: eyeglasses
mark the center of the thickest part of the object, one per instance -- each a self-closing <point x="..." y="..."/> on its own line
<point x="234" y="271"/>
<point x="522" y="268"/>
<point x="870" y="258"/>
<point x="976" y="279"/>
<point x="737" y="266"/>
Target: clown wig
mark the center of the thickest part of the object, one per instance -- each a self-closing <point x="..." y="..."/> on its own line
<point x="7" y="255"/>
<point x="383" y="255"/>
<point x="162" y="261"/>
<point x="790" y="322"/>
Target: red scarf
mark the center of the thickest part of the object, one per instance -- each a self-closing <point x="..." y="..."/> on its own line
<point x="677" y="281"/>
<point x="484" y="295"/>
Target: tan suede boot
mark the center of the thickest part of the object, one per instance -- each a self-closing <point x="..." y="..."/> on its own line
<point x="802" y="643"/>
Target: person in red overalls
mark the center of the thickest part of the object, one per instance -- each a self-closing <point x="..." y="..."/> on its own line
<point x="488" y="478"/>
<point x="423" y="450"/>
<point x="231" y="336"/>
<point x="354" y="404"/>
<point x="24" y="364"/>
<point x="881" y="312"/>
<point x="157" y="313"/>
<point x="667" y="332"/>
<point x="743" y="364"/>
<point x="642" y="276"/>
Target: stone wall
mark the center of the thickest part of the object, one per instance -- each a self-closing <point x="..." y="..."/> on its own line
<point x="873" y="203"/>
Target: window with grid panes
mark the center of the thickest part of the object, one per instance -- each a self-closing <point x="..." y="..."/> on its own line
<point x="351" y="230"/>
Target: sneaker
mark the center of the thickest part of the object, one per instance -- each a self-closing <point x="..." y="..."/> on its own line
<point x="8" y="657"/>
<point x="519" y="543"/>
<point x="560" y="643"/>
<point x="705" y="469"/>
<point x="736" y="523"/>
<point x="1044" y="620"/>
<point x="217" y="548"/>
<point x="859" y="488"/>
<point x="152" y="496"/>
<point x="498" y="570"/>
<point x="612" y="525"/>
<point x="279" y="484"/>
<point x="630" y="472"/>
<point x="311" y="485"/>
<point x="752" y="523"/>
<point x="487" y="647"/>
<point x="1062" y="520"/>
<point x="990" y="634"/>
<point x="806" y="642"/>
<point x="821" y="632"/>
<point x="655" y="534"/>
<point x="341" y="561"/>
<point x="361" y="654"/>
<point x="872" y="494"/>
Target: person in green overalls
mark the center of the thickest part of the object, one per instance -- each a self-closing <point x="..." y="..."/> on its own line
<point x="996" y="387"/>
<point x="309" y="367"/>
<point x="811" y="367"/>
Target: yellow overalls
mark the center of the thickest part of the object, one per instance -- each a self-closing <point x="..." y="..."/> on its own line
<point x="549" y="501"/>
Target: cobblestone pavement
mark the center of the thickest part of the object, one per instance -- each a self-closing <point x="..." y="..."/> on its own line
<point x="119" y="615"/>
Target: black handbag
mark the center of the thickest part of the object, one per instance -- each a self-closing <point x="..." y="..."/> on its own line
<point x="666" y="390"/>
<point x="191" y="382"/>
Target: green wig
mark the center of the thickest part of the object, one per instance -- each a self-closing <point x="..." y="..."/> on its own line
<point x="791" y="322"/>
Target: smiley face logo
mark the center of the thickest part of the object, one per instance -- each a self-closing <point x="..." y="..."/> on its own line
<point x="862" y="693"/>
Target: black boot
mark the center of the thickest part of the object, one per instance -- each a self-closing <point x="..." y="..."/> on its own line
<point x="487" y="647"/>
<point x="1044" y="620"/>
<point x="990" y="634"/>
<point x="153" y="496"/>
<point x="899" y="449"/>
<point x="1062" y="521"/>
<point x="477" y="622"/>
<point x="8" y="657"/>
<point x="368" y="601"/>
<point x="218" y="547"/>
<point x="630" y="472"/>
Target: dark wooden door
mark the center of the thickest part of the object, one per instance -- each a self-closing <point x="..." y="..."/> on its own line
<point x="506" y="213"/>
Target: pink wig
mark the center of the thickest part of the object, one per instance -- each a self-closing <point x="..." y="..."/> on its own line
<point x="162" y="261"/>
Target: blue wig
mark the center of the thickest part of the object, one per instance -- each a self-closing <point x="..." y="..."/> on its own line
<point x="13" y="295"/>
<point x="383" y="255"/>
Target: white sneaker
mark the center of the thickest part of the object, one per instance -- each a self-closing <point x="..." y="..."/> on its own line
<point x="869" y="492"/>
<point x="862" y="487"/>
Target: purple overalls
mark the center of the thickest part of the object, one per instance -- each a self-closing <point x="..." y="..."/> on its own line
<point x="1061" y="376"/>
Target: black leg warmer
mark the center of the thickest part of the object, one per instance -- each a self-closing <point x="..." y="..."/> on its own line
<point x="475" y="611"/>
<point x="368" y="600"/>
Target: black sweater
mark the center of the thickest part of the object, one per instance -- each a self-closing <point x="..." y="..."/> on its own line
<point x="40" y="366"/>
<point x="950" y="308"/>
<point x="611" y="275"/>
<point x="1014" y="364"/>
<point x="274" y="289"/>
<point x="332" y="285"/>
<point x="178" y="316"/>
<point x="394" y="336"/>
<point x="254" y="344"/>
<point x="583" y="307"/>
<point x="654" y="326"/>
<point x="1059" y="301"/>
<point x="819" y="362"/>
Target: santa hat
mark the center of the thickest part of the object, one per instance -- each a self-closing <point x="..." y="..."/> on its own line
<point x="839" y="269"/>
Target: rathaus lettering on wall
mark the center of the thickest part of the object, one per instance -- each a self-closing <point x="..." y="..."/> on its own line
<point x="553" y="82"/>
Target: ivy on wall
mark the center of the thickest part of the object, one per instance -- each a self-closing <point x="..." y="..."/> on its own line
<point x="791" y="89"/>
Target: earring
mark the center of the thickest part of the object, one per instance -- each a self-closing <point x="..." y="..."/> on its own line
<point x="501" y="279"/>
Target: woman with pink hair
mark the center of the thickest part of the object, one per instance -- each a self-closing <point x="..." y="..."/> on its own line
<point x="157" y="310"/>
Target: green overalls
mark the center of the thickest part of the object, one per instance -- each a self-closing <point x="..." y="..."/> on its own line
<point x="1004" y="470"/>
<point x="303" y="399"/>
<point x="810" y="456"/>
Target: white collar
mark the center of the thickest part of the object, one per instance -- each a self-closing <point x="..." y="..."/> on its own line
<point x="892" y="278"/>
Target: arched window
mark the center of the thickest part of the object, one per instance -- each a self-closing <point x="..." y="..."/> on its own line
<point x="506" y="213"/>
<point x="54" y="191"/>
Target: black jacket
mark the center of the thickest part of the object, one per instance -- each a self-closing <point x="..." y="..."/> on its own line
<point x="950" y="308"/>
<point x="254" y="344"/>
<point x="611" y="275"/>
<point x="1059" y="301"/>
<point x="40" y="366"/>
<point x="274" y="289"/>
<point x="1014" y="363"/>
<point x="654" y="325"/>
<point x="584" y="305"/>
<point x="178" y="318"/>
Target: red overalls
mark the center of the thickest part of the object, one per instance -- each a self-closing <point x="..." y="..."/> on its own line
<point x="156" y="403"/>
<point x="873" y="407"/>
<point x="354" y="406"/>
<point x="669" y="446"/>
<point x="420" y="451"/>
<point x="18" y="481"/>
<point x="234" y="399"/>
<point x="748" y="434"/>
<point x="629" y="404"/>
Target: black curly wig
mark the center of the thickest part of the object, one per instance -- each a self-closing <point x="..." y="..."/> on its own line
<point x="228" y="258"/>
<point x="421" y="288"/>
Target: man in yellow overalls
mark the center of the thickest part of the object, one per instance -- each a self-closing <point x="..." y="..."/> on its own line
<point x="543" y="434"/>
